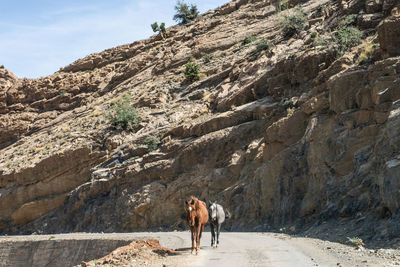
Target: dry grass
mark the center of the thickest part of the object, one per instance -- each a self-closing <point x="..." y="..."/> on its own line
<point x="355" y="241"/>
<point x="367" y="52"/>
<point x="290" y="111"/>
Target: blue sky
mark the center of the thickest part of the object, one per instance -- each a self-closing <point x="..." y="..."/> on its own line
<point x="37" y="37"/>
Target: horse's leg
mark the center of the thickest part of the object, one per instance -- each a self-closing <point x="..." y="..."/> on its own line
<point x="201" y="233"/>
<point x="201" y="230"/>
<point x="198" y="235"/>
<point x="193" y="235"/>
<point x="212" y="234"/>
<point x="218" y="231"/>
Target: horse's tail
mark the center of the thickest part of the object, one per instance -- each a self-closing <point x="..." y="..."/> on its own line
<point x="227" y="214"/>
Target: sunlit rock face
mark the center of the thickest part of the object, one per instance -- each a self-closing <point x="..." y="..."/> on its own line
<point x="285" y="132"/>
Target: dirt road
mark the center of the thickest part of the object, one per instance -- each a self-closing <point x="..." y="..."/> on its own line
<point x="250" y="249"/>
<point x="276" y="250"/>
<point x="236" y="249"/>
<point x="270" y="250"/>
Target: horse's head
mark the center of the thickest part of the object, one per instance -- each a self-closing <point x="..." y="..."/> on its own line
<point x="212" y="211"/>
<point x="190" y="207"/>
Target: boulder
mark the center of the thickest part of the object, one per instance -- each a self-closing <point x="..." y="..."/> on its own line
<point x="228" y="8"/>
<point x="388" y="5"/>
<point x="389" y="36"/>
<point x="284" y="133"/>
<point x="343" y="89"/>
<point x="368" y="21"/>
<point x="389" y="144"/>
<point x="315" y="104"/>
<point x="373" y="6"/>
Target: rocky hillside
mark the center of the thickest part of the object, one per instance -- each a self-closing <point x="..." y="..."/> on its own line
<point x="287" y="129"/>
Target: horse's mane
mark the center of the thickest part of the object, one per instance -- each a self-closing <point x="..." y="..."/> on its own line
<point x="198" y="203"/>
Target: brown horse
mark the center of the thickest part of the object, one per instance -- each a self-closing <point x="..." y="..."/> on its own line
<point x="197" y="217"/>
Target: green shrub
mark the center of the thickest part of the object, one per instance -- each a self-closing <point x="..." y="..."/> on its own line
<point x="123" y="116"/>
<point x="1" y="66"/>
<point x="263" y="45"/>
<point x="347" y="21"/>
<point x="282" y="5"/>
<point x="156" y="28"/>
<point x="159" y="28"/>
<point x="324" y="41"/>
<point x="184" y="13"/>
<point x="162" y="27"/>
<point x="347" y="38"/>
<point x="249" y="39"/>
<point x="341" y="40"/>
<point x="152" y="143"/>
<point x="207" y="57"/>
<point x="314" y="35"/>
<point x="293" y="23"/>
<point x="192" y="70"/>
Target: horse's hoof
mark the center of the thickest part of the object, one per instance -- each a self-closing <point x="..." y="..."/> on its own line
<point x="216" y="246"/>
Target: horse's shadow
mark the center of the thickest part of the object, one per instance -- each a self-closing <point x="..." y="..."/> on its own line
<point x="187" y="249"/>
<point x="183" y="249"/>
<point x="165" y="253"/>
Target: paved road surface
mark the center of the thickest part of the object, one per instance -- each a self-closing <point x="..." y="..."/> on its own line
<point x="252" y="249"/>
<point x="243" y="249"/>
<point x="246" y="249"/>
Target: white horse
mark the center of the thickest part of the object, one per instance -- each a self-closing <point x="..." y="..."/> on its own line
<point x="217" y="217"/>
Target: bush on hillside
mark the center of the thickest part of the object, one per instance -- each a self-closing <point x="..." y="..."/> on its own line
<point x="314" y="35"/>
<point x="207" y="57"/>
<point x="343" y="39"/>
<point x="293" y="23"/>
<point x="122" y="115"/>
<point x="192" y="70"/>
<point x="159" y="28"/>
<point x="348" y="37"/>
<point x="282" y="5"/>
<point x="152" y="143"/>
<point x="348" y="21"/>
<point x="263" y="45"/>
<point x="367" y="53"/>
<point x="184" y="13"/>
<point x="249" y="39"/>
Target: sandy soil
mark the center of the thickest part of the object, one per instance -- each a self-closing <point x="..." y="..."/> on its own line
<point x="139" y="253"/>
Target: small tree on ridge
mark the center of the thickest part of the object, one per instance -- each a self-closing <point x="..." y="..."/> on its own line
<point x="184" y="13"/>
<point x="160" y="29"/>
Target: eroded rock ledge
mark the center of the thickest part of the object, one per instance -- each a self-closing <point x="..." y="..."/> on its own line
<point x="297" y="136"/>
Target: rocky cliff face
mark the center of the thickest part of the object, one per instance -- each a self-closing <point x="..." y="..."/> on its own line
<point x="297" y="135"/>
